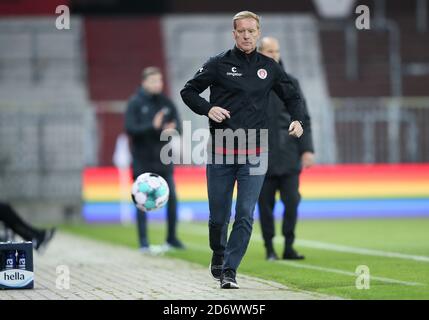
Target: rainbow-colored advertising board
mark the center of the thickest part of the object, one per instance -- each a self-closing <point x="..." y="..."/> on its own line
<point x="337" y="191"/>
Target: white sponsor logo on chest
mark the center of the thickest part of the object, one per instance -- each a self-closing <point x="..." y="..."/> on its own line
<point x="234" y="72"/>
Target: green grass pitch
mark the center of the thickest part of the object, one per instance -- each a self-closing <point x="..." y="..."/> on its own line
<point x="395" y="250"/>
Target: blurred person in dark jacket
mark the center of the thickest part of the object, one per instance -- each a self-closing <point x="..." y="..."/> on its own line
<point x="12" y="221"/>
<point x="148" y="113"/>
<point x="286" y="158"/>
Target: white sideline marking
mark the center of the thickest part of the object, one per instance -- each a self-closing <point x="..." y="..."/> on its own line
<point x="348" y="273"/>
<point x="201" y="247"/>
<point x="364" y="251"/>
<point x="342" y="248"/>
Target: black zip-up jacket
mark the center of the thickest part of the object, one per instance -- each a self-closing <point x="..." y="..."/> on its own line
<point x="285" y="151"/>
<point x="145" y="139"/>
<point x="241" y="83"/>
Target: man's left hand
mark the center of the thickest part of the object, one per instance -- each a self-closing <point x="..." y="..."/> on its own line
<point x="170" y="126"/>
<point x="295" y="129"/>
<point x="307" y="159"/>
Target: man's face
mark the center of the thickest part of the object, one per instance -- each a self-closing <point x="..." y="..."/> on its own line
<point x="246" y="34"/>
<point x="271" y="49"/>
<point x="153" y="84"/>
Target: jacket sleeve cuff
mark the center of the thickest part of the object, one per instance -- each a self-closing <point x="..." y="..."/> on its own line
<point x="207" y="108"/>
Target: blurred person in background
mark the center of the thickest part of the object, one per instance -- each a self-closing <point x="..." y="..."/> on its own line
<point x="149" y="112"/>
<point x="12" y="221"/>
<point x="286" y="158"/>
<point x="240" y="80"/>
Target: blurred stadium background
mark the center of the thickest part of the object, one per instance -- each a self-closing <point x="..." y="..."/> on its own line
<point x="63" y="94"/>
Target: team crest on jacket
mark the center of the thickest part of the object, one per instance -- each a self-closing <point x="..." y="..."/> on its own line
<point x="262" y="73"/>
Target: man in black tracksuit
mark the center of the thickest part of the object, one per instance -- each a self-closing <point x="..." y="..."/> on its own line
<point x="148" y="113"/>
<point x="240" y="81"/>
<point x="286" y="158"/>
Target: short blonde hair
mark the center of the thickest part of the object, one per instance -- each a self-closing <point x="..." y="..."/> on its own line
<point x="150" y="71"/>
<point x="245" y="15"/>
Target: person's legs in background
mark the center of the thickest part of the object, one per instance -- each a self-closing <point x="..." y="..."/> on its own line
<point x="141" y="218"/>
<point x="12" y="220"/>
<point x="266" y="205"/>
<point x="172" y="239"/>
<point x="289" y="194"/>
<point x="142" y="230"/>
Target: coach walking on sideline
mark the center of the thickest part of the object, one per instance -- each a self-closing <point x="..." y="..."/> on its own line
<point x="148" y="113"/>
<point x="286" y="158"/>
<point x="240" y="81"/>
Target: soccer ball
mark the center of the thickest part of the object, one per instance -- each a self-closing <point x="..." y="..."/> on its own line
<point x="150" y="192"/>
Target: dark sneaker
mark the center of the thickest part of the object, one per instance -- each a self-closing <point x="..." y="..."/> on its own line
<point x="216" y="266"/>
<point x="144" y="243"/>
<point x="40" y="244"/>
<point x="272" y="256"/>
<point x="176" y="244"/>
<point x="227" y="280"/>
<point x="292" y="255"/>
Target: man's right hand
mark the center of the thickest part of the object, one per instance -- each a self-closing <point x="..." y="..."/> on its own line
<point x="218" y="114"/>
<point x="295" y="129"/>
<point x="157" y="120"/>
